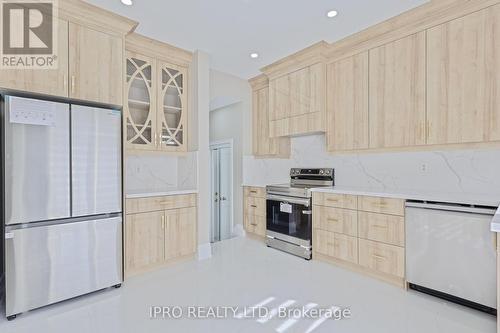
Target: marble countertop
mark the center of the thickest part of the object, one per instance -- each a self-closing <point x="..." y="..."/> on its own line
<point x="495" y="223"/>
<point x="135" y="195"/>
<point x="469" y="199"/>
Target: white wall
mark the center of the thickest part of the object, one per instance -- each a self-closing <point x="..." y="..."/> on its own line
<point x="201" y="103"/>
<point x="226" y="123"/>
<point x="467" y="173"/>
<point x="230" y="100"/>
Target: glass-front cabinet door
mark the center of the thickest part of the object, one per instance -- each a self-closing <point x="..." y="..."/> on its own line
<point x="172" y="108"/>
<point x="140" y="126"/>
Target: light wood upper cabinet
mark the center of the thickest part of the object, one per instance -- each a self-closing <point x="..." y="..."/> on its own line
<point x="347" y="103"/>
<point x="297" y="102"/>
<point x="140" y="106"/>
<point x="397" y="93"/>
<point x="463" y="79"/>
<point x="262" y="144"/>
<point x="42" y="81"/>
<point x="95" y="65"/>
<point x="172" y="107"/>
<point x="157" y="93"/>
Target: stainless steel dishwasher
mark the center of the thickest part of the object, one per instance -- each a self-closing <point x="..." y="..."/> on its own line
<point x="451" y="253"/>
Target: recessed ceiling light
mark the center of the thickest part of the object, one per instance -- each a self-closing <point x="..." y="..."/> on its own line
<point x="254" y="55"/>
<point x="127" y="2"/>
<point x="332" y="13"/>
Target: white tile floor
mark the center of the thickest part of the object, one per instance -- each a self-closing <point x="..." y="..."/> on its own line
<point x="243" y="272"/>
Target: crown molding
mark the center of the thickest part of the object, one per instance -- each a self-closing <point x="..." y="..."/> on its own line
<point x="83" y="13"/>
<point x="144" y="45"/>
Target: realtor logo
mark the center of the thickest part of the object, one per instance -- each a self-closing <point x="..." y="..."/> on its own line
<point x="29" y="34"/>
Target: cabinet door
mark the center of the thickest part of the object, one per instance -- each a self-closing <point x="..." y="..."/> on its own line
<point x="187" y="231"/>
<point x="397" y="93"/>
<point x="347" y="103"/>
<point x="172" y="108"/>
<point x="43" y="81"/>
<point x="263" y="144"/>
<point x="279" y="98"/>
<point x="140" y="106"/>
<point x="95" y="65"/>
<point x="180" y="232"/>
<point x="144" y="241"/>
<point x="463" y="79"/>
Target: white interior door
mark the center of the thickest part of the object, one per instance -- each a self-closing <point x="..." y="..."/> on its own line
<point x="222" y="197"/>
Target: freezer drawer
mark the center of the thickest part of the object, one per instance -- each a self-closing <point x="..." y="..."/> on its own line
<point x="96" y="161"/>
<point x="453" y="252"/>
<point x="49" y="264"/>
<point x="37" y="160"/>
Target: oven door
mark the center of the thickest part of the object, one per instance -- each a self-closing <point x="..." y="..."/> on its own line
<point x="289" y="216"/>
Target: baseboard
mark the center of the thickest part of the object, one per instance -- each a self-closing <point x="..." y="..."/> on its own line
<point x="204" y="251"/>
<point x="238" y="231"/>
<point x="394" y="280"/>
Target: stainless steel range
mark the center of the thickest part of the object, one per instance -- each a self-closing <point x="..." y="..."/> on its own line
<point x="289" y="210"/>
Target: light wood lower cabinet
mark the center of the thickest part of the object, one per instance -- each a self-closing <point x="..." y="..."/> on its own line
<point x="383" y="258"/>
<point x="144" y="241"/>
<point x="180" y="232"/>
<point x="369" y="237"/>
<point x="254" y="206"/>
<point x="336" y="245"/>
<point x="156" y="238"/>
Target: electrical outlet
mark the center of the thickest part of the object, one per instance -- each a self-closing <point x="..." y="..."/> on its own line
<point x="423" y="167"/>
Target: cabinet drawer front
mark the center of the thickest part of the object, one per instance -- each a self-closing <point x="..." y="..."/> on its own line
<point x="255" y="225"/>
<point x="259" y="192"/>
<point x="335" y="200"/>
<point x="342" y="221"/>
<point x="382" y="228"/>
<point x="382" y="205"/>
<point x="335" y="245"/>
<point x="152" y="204"/>
<point x="255" y="206"/>
<point x="388" y="259"/>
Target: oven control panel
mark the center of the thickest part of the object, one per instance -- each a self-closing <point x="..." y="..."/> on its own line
<point x="297" y="173"/>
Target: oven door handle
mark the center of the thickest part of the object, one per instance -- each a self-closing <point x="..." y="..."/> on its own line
<point x="280" y="198"/>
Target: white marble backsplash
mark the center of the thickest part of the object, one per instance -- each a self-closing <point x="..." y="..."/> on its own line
<point x="450" y="171"/>
<point x="160" y="172"/>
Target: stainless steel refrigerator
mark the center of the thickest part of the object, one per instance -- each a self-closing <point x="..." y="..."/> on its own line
<point x="62" y="201"/>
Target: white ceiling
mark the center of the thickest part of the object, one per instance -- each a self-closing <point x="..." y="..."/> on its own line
<point x="229" y="30"/>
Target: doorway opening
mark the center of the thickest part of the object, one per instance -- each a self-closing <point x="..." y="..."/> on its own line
<point x="221" y="154"/>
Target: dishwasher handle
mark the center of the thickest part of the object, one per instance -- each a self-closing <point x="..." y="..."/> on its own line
<point x="452" y="207"/>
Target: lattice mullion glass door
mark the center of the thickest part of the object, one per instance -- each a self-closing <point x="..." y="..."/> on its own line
<point x="172" y="108"/>
<point x="140" y="106"/>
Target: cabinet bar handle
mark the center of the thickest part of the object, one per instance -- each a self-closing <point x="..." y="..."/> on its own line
<point x="333" y="220"/>
<point x="253" y="191"/>
<point x="379" y="257"/>
<point x="254" y="224"/>
<point x="253" y="206"/>
<point x="73" y="83"/>
<point x="163" y="221"/>
<point x="65" y="82"/>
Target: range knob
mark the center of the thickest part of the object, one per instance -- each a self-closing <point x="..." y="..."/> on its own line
<point x="321" y="172"/>
<point x="327" y="172"/>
